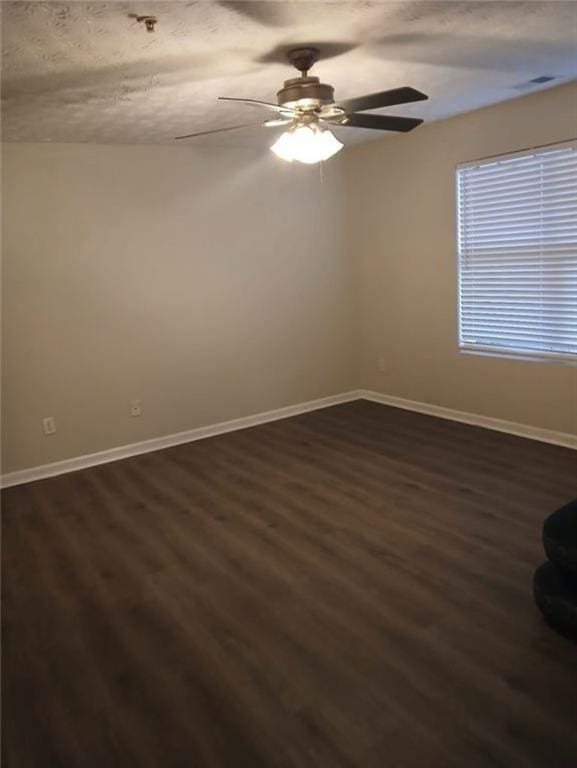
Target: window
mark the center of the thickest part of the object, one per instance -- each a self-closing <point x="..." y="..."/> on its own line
<point x="517" y="243"/>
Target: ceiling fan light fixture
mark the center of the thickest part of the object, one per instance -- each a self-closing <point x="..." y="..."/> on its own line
<point x="283" y="147"/>
<point x="307" y="144"/>
<point x="307" y="106"/>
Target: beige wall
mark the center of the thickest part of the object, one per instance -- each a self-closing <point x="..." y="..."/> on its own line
<point x="401" y="207"/>
<point x="208" y="284"/>
<point x="212" y="284"/>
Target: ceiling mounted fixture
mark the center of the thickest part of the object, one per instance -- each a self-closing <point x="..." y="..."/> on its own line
<point x="149" y="22"/>
<point x="308" y="109"/>
<point x="534" y="83"/>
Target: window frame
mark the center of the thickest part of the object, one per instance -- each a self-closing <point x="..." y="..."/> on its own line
<point x="484" y="350"/>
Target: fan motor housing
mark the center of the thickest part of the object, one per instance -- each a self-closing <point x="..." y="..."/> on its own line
<point x="305" y="93"/>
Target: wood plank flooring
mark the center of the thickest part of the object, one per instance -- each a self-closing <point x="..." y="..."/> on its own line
<point x="349" y="588"/>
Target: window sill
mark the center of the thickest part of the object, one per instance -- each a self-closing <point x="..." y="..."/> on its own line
<point x="526" y="355"/>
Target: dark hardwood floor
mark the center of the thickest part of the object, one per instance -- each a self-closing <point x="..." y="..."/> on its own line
<point x="346" y="588"/>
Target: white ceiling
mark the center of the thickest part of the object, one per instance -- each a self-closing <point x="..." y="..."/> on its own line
<point x="89" y="72"/>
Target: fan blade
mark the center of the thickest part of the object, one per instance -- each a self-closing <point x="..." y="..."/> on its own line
<point x="277" y="123"/>
<point x="382" y="122"/>
<point x="383" y="99"/>
<point x="219" y="130"/>
<point x="257" y="103"/>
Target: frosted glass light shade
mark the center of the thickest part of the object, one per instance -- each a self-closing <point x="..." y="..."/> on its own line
<point x="307" y="144"/>
<point x="283" y="147"/>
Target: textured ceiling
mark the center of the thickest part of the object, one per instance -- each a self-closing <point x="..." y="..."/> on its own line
<point x="89" y="72"/>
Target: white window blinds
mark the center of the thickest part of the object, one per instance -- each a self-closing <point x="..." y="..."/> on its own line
<point x="517" y="241"/>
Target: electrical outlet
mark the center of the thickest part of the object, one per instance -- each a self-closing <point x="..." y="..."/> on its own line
<point x="135" y="408"/>
<point x="49" y="425"/>
<point x="382" y="365"/>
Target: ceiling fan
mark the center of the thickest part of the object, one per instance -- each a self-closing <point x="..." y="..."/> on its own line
<point x="307" y="107"/>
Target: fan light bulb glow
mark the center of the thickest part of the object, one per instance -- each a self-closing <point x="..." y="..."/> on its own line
<point x="307" y="144"/>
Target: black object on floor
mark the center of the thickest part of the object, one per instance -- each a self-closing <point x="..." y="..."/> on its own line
<point x="560" y="537"/>
<point x="555" y="593"/>
<point x="555" y="582"/>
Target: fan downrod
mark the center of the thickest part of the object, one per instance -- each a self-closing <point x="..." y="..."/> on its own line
<point x="303" y="58"/>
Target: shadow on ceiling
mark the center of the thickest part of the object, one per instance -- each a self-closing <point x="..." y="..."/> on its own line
<point x="473" y="51"/>
<point x="328" y="50"/>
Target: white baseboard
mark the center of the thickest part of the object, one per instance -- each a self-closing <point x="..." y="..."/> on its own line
<point x="157" y="443"/>
<point x="500" y="425"/>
